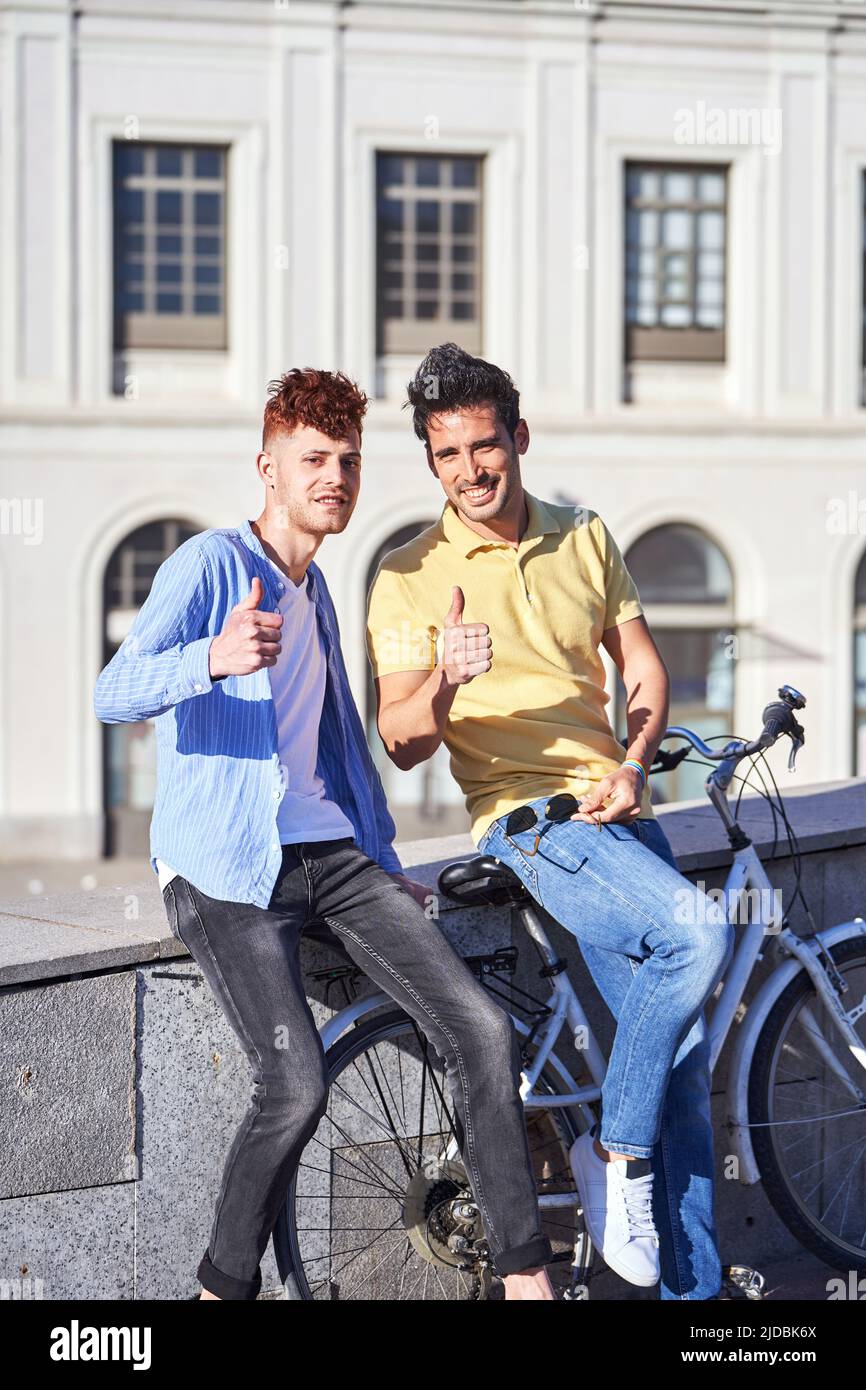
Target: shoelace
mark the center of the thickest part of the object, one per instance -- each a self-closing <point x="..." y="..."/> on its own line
<point x="638" y="1205"/>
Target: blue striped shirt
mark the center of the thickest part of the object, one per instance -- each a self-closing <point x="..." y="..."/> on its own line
<point x="219" y="782"/>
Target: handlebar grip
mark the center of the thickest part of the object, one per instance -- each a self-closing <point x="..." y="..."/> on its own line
<point x="666" y="761"/>
<point x="777" y="719"/>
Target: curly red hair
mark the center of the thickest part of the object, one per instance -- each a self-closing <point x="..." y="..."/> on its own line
<point x="327" y="401"/>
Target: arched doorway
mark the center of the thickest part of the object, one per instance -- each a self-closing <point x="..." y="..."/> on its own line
<point x="129" y="750"/>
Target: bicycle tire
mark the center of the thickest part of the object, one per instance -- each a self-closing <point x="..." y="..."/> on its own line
<point x="790" y="1210"/>
<point x="348" y="1047"/>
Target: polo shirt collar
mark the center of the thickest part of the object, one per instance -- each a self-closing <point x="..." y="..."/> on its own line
<point x="539" y="523"/>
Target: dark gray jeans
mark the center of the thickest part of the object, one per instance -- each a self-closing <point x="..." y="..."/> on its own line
<point x="250" y="958"/>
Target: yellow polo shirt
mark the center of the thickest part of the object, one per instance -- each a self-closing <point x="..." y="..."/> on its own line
<point x="536" y="723"/>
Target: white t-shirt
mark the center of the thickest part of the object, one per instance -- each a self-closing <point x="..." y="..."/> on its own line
<point x="298" y="689"/>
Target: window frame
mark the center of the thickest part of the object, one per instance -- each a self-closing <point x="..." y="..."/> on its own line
<point x="662" y="342"/>
<point x="406" y="335"/>
<point x="186" y="331"/>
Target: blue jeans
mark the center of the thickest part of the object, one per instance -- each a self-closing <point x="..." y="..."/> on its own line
<point x="656" y="948"/>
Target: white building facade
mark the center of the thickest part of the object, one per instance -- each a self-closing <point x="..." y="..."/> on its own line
<point x="651" y="214"/>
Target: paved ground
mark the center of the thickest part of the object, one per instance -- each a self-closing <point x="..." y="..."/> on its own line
<point x="801" y="1278"/>
<point x="24" y="879"/>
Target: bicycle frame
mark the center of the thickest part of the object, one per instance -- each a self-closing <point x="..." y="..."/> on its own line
<point x="750" y="901"/>
<point x="746" y="875"/>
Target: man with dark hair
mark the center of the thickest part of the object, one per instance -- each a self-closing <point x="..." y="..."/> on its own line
<point x="526" y="592"/>
<point x="450" y="379"/>
<point x="269" y="813"/>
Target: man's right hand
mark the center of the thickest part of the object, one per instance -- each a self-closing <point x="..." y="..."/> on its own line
<point x="467" y="650"/>
<point x="249" y="640"/>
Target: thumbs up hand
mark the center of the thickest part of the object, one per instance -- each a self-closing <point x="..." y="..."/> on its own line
<point x="467" y="649"/>
<point x="254" y="597"/>
<point x="250" y="638"/>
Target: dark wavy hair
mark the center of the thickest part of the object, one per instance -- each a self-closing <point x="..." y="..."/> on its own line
<point x="328" y="401"/>
<point x="450" y="378"/>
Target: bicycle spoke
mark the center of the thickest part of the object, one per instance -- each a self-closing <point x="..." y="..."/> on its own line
<point x="382" y="1261"/>
<point x="391" y="1133"/>
<point x="389" y="1117"/>
<point x="390" y="1092"/>
<point x="395" y="1192"/>
<point x="425" y="1048"/>
<point x="421" y="1116"/>
<point x="820" y="1158"/>
<point x="309" y="1167"/>
<point x="862" y="1143"/>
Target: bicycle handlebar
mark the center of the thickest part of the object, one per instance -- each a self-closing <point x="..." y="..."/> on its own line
<point x="778" y="719"/>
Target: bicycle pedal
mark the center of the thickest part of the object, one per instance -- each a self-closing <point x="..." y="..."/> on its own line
<point x="741" y="1281"/>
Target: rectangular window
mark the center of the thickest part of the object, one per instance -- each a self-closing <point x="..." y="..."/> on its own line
<point x="675" y="240"/>
<point x="169" y="245"/>
<point x="428" y="263"/>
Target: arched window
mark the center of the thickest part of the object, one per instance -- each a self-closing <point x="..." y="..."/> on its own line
<point x="129" y="750"/>
<point x="426" y="800"/>
<point x="860" y="670"/>
<point x="686" y="589"/>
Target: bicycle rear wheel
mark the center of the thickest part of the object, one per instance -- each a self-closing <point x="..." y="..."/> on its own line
<point x="380" y="1206"/>
<point x="810" y="1134"/>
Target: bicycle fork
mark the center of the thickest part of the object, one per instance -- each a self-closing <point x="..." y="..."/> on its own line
<point x="828" y="989"/>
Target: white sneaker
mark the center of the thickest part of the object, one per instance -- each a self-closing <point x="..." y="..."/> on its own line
<point x="617" y="1208"/>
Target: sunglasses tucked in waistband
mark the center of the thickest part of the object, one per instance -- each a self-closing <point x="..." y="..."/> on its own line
<point x="558" y="808"/>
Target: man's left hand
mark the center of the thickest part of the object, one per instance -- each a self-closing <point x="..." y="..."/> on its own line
<point x="419" y="891"/>
<point x="623" y="789"/>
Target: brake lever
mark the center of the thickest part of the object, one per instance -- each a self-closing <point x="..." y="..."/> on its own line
<point x="798" y="738"/>
<point x="796" y="745"/>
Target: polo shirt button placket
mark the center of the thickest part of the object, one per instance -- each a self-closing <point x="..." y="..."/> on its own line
<point x="522" y="579"/>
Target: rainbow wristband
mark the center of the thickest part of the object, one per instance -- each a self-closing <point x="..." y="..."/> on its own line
<point x="633" y="762"/>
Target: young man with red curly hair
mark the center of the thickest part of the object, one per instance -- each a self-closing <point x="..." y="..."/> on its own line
<point x="270" y="812"/>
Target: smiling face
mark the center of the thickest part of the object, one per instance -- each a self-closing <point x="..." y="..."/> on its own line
<point x="477" y="462"/>
<point x="315" y="479"/>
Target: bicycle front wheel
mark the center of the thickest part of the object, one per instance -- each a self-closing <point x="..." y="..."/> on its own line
<point x="380" y="1206"/>
<point x="809" y="1132"/>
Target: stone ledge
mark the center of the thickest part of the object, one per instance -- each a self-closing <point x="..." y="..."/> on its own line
<point x="113" y="928"/>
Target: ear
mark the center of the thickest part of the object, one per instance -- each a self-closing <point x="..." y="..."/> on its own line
<point x="265" y="467"/>
<point x="431" y="462"/>
<point x="521" y="436"/>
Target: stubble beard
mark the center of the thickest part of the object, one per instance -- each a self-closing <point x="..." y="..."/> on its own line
<point x="312" y="519"/>
<point x="489" y="512"/>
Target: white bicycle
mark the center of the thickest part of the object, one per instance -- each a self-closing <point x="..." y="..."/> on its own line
<point x="380" y="1206"/>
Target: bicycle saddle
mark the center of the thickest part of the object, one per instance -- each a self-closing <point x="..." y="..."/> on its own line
<point x="479" y="881"/>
